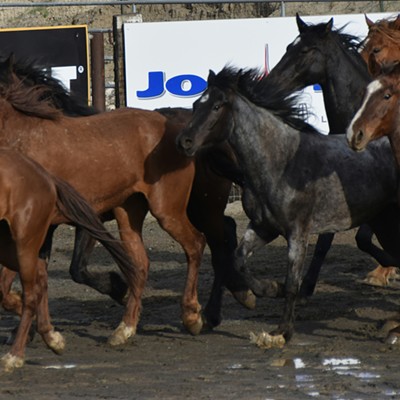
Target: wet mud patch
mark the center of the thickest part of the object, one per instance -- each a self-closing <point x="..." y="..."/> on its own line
<point x="337" y="351"/>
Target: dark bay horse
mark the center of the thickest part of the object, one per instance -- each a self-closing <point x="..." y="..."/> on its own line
<point x="383" y="42"/>
<point x="379" y="116"/>
<point x="315" y="57"/>
<point x="31" y="200"/>
<point x="208" y="198"/>
<point x="301" y="182"/>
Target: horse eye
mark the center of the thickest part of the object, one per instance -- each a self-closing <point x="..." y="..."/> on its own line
<point x="217" y="107"/>
<point x="376" y="50"/>
<point x="387" y="96"/>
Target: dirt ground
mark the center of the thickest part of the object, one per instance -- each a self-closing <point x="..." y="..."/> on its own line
<point x="337" y="351"/>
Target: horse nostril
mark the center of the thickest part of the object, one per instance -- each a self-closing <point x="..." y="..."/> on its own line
<point x="359" y="137"/>
<point x="187" y="143"/>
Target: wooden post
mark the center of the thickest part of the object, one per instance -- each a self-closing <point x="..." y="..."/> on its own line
<point x="119" y="69"/>
<point x="97" y="68"/>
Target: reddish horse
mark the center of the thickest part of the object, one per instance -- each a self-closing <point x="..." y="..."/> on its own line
<point x="124" y="161"/>
<point x="31" y="200"/>
<point x="378" y="116"/>
<point x="206" y="206"/>
<point x="383" y="42"/>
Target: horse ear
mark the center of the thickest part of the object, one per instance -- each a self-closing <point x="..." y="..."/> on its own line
<point x="10" y="61"/>
<point x="329" y="25"/>
<point x="368" y="21"/>
<point x="6" y="68"/>
<point x="374" y="67"/>
<point x="301" y="25"/>
<point x="211" y="76"/>
<point x="397" y="22"/>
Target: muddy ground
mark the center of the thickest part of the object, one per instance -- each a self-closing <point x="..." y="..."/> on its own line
<point x="336" y="353"/>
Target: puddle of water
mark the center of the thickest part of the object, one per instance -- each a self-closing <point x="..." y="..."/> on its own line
<point x="60" y="366"/>
<point x="340" y="362"/>
<point x="307" y="382"/>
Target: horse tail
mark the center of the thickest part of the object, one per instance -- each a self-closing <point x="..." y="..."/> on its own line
<point x="77" y="210"/>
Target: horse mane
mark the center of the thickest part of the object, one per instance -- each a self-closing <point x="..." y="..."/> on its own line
<point x="17" y="77"/>
<point x="29" y="100"/>
<point x="252" y="84"/>
<point x="388" y="27"/>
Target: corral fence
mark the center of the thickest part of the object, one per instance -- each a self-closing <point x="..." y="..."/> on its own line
<point x="105" y="20"/>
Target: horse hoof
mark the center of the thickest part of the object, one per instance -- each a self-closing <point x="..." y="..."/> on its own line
<point x="195" y="327"/>
<point x="121" y="335"/>
<point x="210" y="321"/>
<point x="10" y="362"/>
<point x="266" y="341"/>
<point x="54" y="341"/>
<point x="246" y="298"/>
<point x="393" y="339"/>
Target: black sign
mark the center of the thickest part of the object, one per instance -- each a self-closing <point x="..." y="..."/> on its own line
<point x="63" y="51"/>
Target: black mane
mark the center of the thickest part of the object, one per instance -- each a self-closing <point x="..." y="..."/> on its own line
<point x="31" y="74"/>
<point x="349" y="44"/>
<point x="252" y="84"/>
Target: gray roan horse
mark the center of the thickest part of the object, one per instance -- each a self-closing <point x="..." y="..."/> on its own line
<point x="297" y="181"/>
<point x="315" y="57"/>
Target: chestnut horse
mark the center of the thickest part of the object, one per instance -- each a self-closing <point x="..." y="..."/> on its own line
<point x="383" y="42"/>
<point x="124" y="161"/>
<point x="31" y="200"/>
<point x="207" y="201"/>
<point x="379" y="116"/>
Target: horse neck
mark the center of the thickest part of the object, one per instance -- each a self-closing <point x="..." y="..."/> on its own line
<point x="343" y="90"/>
<point x="261" y="142"/>
<point x="394" y="139"/>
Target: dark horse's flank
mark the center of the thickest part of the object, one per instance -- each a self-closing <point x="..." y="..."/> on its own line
<point x="315" y="57"/>
<point x="301" y="182"/>
<point x="207" y="202"/>
<point x="30" y="201"/>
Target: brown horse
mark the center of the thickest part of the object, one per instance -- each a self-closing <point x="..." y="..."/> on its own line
<point x="383" y="42"/>
<point x="207" y="202"/>
<point x="379" y="116"/>
<point x="31" y="200"/>
<point x="123" y="160"/>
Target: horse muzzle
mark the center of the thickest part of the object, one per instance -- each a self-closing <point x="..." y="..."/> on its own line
<point x="185" y="144"/>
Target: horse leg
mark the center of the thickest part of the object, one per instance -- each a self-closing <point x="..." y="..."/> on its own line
<point x="253" y="239"/>
<point x="385" y="226"/>
<point x="193" y="243"/>
<point x="322" y="247"/>
<point x="297" y="248"/>
<point x="235" y="281"/>
<point x="111" y="283"/>
<point x="130" y="220"/>
<point x="28" y="276"/>
<point x="54" y="340"/>
<point x="10" y="301"/>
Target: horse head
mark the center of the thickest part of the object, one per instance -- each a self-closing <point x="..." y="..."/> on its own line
<point x="382" y="42"/>
<point x="379" y="113"/>
<point x="210" y="121"/>
<point x="308" y="59"/>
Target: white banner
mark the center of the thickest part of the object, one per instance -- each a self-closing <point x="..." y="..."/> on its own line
<point x="167" y="63"/>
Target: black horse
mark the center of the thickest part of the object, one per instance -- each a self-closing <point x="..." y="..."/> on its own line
<point x="331" y="58"/>
<point x="300" y="182"/>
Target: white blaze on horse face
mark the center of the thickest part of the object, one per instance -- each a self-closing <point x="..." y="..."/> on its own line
<point x="371" y="89"/>
<point x="296" y="41"/>
<point x="204" y="98"/>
